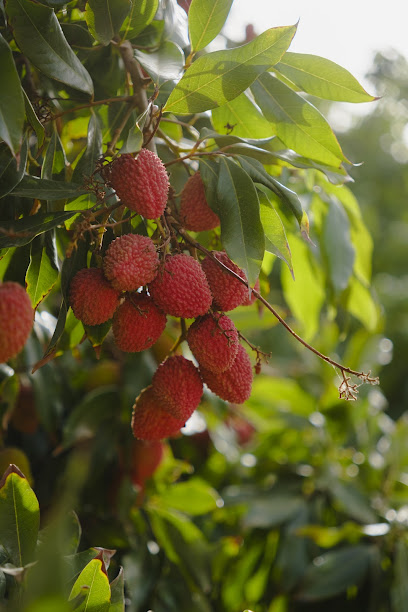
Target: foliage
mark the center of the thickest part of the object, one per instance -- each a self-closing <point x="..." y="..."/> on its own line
<point x="294" y="499"/>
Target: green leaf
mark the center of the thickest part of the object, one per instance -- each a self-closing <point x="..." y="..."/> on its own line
<point x="306" y="295"/>
<point x="277" y="508"/>
<point x="33" y="120"/>
<point x="194" y="497"/>
<point x="241" y="117"/>
<point x="26" y="229"/>
<point x="19" y="517"/>
<point x="399" y="589"/>
<point x="117" y="587"/>
<point x="42" y="274"/>
<point x="321" y="77"/>
<point x="205" y="20"/>
<point x="215" y="78"/>
<point x="97" y="333"/>
<point x="105" y="18"/>
<point x="55" y="161"/>
<point x="39" y="36"/>
<point x="93" y="581"/>
<point x="335" y="175"/>
<point x="44" y="189"/>
<point x="298" y="124"/>
<point x="275" y="236"/>
<point x="359" y="302"/>
<point x="162" y="65"/>
<point x="209" y="171"/>
<point x="238" y="208"/>
<point x="87" y="163"/>
<point x="337" y="245"/>
<point x="140" y="15"/>
<point x="11" y="172"/>
<point x="12" y="112"/>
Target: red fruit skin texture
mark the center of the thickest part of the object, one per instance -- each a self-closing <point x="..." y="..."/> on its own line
<point x="149" y="419"/>
<point x="178" y="386"/>
<point x="146" y="458"/>
<point x="141" y="184"/>
<point x="195" y="213"/>
<point x="235" y="384"/>
<point x="214" y="342"/>
<point x="16" y="319"/>
<point x="92" y="298"/>
<point x="251" y="298"/>
<point x="130" y="262"/>
<point x="228" y="291"/>
<point x="180" y="288"/>
<point x="138" y="323"/>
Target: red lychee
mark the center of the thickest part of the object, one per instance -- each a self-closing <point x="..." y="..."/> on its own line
<point x="146" y="458"/>
<point x="16" y="319"/>
<point x="92" y="298"/>
<point x="251" y="298"/>
<point x="141" y="184"/>
<point x="149" y="419"/>
<point x="181" y="288"/>
<point x="195" y="213"/>
<point x="137" y="323"/>
<point x="213" y="340"/>
<point x="228" y="291"/>
<point x="178" y="386"/>
<point x="235" y="384"/>
<point x="130" y="262"/>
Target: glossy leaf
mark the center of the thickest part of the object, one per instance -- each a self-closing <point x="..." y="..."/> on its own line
<point x="339" y="251"/>
<point x="42" y="273"/>
<point x="205" y="20"/>
<point x="44" y="189"/>
<point x="117" y="587"/>
<point x="105" y="18"/>
<point x="39" y="36"/>
<point x="26" y="229"/>
<point x="165" y="64"/>
<point x="238" y="208"/>
<point x="298" y="124"/>
<point x="87" y="163"/>
<point x="321" y="77"/>
<point x="11" y="169"/>
<point x="19" y="517"/>
<point x="275" y="236"/>
<point x="140" y="15"/>
<point x="336" y="176"/>
<point x="217" y="77"/>
<point x="55" y="161"/>
<point x="241" y="117"/>
<point x="93" y="581"/>
<point x="33" y="120"/>
<point x="12" y="111"/>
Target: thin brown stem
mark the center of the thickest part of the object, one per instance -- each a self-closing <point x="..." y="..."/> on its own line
<point x="90" y="105"/>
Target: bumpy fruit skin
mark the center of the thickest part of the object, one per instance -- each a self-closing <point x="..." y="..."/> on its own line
<point x="228" y="291"/>
<point x="16" y="319"/>
<point x="195" y="213"/>
<point x="130" y="262"/>
<point x="178" y="386"/>
<point x="180" y="288"/>
<point x="141" y="184"/>
<point x="137" y="323"/>
<point x="235" y="384"/>
<point x="149" y="419"/>
<point x="214" y="342"/>
<point x="146" y="458"/>
<point x="92" y="298"/>
<point x="250" y="299"/>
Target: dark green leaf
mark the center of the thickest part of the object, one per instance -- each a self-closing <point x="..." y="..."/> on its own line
<point x="55" y="161"/>
<point x="39" y="36"/>
<point x="33" y="120"/>
<point x="97" y="333"/>
<point x="399" y="589"/>
<point x="275" y="236"/>
<point x="209" y="171"/>
<point x="140" y="15"/>
<point x="205" y="20"/>
<point x="238" y="208"/>
<point x="217" y="77"/>
<point x="24" y="230"/>
<point x="273" y="510"/>
<point x="11" y="172"/>
<point x="44" y="189"/>
<point x="165" y="64"/>
<point x="12" y="112"/>
<point x="42" y="274"/>
<point x="298" y="124"/>
<point x="337" y="245"/>
<point x="87" y="164"/>
<point x="19" y="517"/>
<point x="105" y="18"/>
<point x="93" y="581"/>
<point x="241" y="117"/>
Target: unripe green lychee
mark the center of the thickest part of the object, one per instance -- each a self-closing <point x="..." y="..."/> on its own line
<point x="181" y="288"/>
<point x="214" y="342"/>
<point x="228" y="291"/>
<point x="195" y="213"/>
<point x="138" y="323"/>
<point x="178" y="385"/>
<point x="130" y="262"/>
<point x="92" y="298"/>
<point x="16" y="319"/>
<point x="149" y="419"/>
<point x="235" y="384"/>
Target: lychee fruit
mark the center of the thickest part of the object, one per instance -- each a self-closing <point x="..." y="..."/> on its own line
<point x="180" y="288"/>
<point x="213" y="340"/>
<point x="146" y="458"/>
<point x="195" y="213"/>
<point x="141" y="184"/>
<point x="228" y="291"/>
<point x="250" y="297"/>
<point x="92" y="298"/>
<point x="178" y="386"/>
<point x="130" y="262"/>
<point x="137" y="323"/>
<point x="235" y="384"/>
<point x="149" y="419"/>
<point x="16" y="319"/>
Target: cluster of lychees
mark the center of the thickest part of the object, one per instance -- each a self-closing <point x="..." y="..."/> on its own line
<point x="137" y="289"/>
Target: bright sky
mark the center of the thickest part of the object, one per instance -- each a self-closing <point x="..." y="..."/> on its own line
<point x="347" y="32"/>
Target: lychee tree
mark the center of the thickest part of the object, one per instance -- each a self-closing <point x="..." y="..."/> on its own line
<point x="149" y="185"/>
